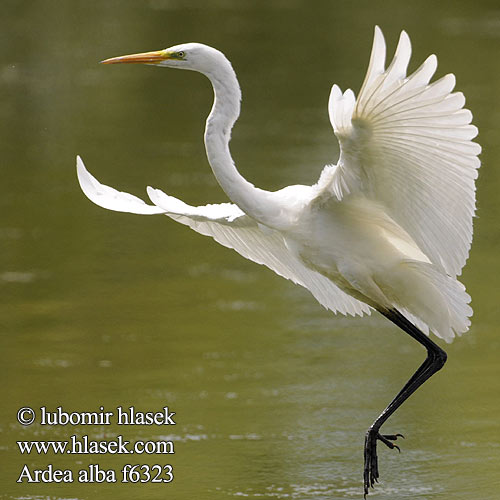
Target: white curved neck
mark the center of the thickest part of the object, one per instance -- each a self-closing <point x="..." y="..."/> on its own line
<point x="258" y="203"/>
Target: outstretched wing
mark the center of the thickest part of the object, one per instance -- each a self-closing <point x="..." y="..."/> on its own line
<point x="408" y="144"/>
<point x="230" y="227"/>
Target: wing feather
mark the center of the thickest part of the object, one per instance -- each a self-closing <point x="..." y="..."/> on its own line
<point x="408" y="144"/>
<point x="232" y="228"/>
<point x="110" y="198"/>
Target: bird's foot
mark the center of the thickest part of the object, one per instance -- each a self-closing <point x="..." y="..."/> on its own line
<point x="371" y="461"/>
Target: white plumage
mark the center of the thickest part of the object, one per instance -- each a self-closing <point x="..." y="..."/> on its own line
<point x="232" y="228"/>
<point x="387" y="228"/>
<point x="407" y="144"/>
<point x="397" y="208"/>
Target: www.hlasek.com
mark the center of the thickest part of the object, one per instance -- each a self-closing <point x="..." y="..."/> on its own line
<point x="83" y="445"/>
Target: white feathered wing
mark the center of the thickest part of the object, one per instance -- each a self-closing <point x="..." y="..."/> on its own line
<point x="407" y="145"/>
<point x="230" y="227"/>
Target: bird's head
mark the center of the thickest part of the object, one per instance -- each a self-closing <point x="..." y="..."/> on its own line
<point x="193" y="56"/>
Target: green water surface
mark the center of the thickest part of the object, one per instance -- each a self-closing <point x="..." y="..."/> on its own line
<point x="272" y="394"/>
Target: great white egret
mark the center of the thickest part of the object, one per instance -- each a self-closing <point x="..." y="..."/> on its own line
<point x="388" y="228"/>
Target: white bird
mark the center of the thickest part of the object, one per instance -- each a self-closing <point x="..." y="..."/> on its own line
<point x="388" y="228"/>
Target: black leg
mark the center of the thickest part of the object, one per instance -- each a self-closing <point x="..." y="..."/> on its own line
<point x="435" y="360"/>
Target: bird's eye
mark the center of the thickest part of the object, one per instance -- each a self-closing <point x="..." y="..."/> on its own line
<point x="180" y="54"/>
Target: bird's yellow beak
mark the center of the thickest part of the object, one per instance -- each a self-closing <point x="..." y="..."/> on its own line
<point x="144" y="58"/>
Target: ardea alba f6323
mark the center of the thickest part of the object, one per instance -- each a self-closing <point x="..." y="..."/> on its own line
<point x="388" y="228"/>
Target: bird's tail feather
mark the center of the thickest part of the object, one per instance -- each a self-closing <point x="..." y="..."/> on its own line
<point x="439" y="302"/>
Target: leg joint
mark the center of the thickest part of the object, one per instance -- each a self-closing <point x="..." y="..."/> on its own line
<point x="438" y="356"/>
